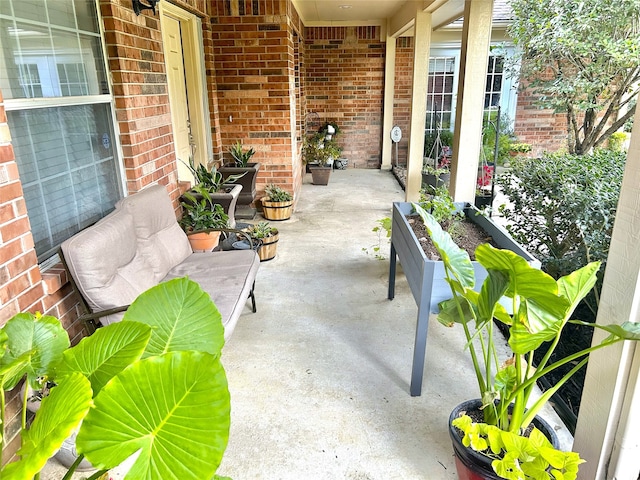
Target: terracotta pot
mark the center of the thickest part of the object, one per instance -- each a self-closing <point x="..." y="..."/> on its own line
<point x="267" y="250"/>
<point x="204" y="241"/>
<point x="276" y="210"/>
<point x="472" y="465"/>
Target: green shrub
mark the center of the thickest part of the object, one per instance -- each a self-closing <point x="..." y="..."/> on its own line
<point x="562" y="208"/>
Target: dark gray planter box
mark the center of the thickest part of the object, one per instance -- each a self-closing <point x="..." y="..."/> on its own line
<point x="248" y="180"/>
<point x="426" y="277"/>
<point x="228" y="201"/>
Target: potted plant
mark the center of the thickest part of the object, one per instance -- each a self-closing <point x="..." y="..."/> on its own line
<point x="243" y="170"/>
<point x="319" y="153"/>
<point x="267" y="236"/>
<point x="159" y="368"/>
<point x="199" y="218"/>
<point x="277" y="203"/>
<point x="536" y="309"/>
<point x="516" y="149"/>
<point x="484" y="185"/>
<point x="211" y="185"/>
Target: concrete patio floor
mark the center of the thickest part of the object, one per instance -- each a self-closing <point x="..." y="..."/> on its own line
<point x="319" y="376"/>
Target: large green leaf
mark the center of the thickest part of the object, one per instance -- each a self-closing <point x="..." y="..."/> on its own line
<point x="492" y="290"/>
<point x="174" y="408"/>
<point x="60" y="413"/>
<point x="106" y="353"/>
<point x="41" y="335"/>
<point x="578" y="284"/>
<point x="456" y="259"/>
<point x="523" y="339"/>
<point x="182" y="317"/>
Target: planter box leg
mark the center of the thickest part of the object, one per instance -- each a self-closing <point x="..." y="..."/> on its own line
<point x="419" y="350"/>
<point x="392" y="273"/>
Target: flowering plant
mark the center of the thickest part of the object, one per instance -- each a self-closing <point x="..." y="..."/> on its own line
<point x="485" y="175"/>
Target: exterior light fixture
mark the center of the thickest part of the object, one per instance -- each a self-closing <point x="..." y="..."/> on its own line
<point x="139" y="5"/>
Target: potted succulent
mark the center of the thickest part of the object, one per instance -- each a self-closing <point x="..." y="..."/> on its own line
<point x="319" y="154"/>
<point x="277" y="203"/>
<point x="199" y="218"/>
<point x="212" y="186"/>
<point x="243" y="170"/>
<point x="159" y="368"/>
<point x="267" y="236"/>
<point x="536" y="309"/>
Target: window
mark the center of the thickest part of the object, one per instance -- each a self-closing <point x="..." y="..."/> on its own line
<point x="53" y="79"/>
<point x="440" y="93"/>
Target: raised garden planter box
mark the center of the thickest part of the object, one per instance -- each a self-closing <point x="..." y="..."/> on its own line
<point x="426" y="277"/>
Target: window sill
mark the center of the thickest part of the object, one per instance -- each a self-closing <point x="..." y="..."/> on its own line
<point x="54" y="278"/>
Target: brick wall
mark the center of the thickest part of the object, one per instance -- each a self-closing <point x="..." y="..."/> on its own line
<point x="345" y="84"/>
<point x="402" y="95"/>
<point x="254" y="52"/>
<point x="542" y="128"/>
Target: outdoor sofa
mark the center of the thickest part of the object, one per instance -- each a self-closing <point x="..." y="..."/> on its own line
<point x="139" y="245"/>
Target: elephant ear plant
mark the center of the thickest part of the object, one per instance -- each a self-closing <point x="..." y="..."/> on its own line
<point x="541" y="308"/>
<point x="151" y="385"/>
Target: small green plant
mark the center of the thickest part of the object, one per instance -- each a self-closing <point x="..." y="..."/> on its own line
<point x="616" y="142"/>
<point x="262" y="230"/>
<point x="240" y="156"/>
<point x="277" y="193"/>
<point x="209" y="181"/>
<point x="540" y="308"/>
<point x="520" y="147"/>
<point x="440" y="204"/>
<point x="383" y="231"/>
<point x="201" y="215"/>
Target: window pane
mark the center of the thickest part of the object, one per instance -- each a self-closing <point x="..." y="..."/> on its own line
<point x="30" y="9"/>
<point x="66" y="158"/>
<point x="61" y="13"/>
<point x="46" y="61"/>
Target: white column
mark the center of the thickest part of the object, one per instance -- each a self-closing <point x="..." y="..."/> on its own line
<point x="608" y="430"/>
<point x="467" y="141"/>
<point x="422" y="45"/>
<point x="389" y="87"/>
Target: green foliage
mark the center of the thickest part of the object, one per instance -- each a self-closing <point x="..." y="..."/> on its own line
<point x="240" y="156"/>
<point x="152" y="383"/>
<point x="562" y="207"/>
<point x="540" y="307"/>
<point x="517" y="457"/>
<point x="383" y="230"/>
<point x="277" y="193"/>
<point x="202" y="215"/>
<point x="262" y="230"/>
<point x="446" y="137"/>
<point x="209" y="181"/>
<point x="440" y="204"/>
<point x="520" y="147"/>
<point x="616" y="142"/>
<point x="316" y="149"/>
<point x="581" y="59"/>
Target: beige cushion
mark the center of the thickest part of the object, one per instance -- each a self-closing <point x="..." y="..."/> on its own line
<point x="160" y="239"/>
<point x="105" y="263"/>
<point x="226" y="276"/>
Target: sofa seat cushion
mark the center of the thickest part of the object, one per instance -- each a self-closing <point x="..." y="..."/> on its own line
<point x="226" y="276"/>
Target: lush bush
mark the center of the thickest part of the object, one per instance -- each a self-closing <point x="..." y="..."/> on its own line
<point x="562" y="208"/>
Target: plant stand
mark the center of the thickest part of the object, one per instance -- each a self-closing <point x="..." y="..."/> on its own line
<point x="248" y="181"/>
<point x="426" y="277"/>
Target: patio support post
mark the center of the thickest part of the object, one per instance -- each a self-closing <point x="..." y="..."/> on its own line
<point x="608" y="433"/>
<point x="422" y="45"/>
<point x="389" y="87"/>
<point x="467" y="141"/>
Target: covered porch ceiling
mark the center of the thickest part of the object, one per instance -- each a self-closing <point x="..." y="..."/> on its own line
<point x="397" y="15"/>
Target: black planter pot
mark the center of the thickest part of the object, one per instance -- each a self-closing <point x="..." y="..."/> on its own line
<point x="472" y="465"/>
<point x="435" y="181"/>
<point x="483" y="201"/>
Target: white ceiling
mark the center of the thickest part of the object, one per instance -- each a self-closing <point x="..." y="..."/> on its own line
<point x="376" y="12"/>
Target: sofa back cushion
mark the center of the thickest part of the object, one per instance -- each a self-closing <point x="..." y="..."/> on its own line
<point x="105" y="262"/>
<point x="160" y="239"/>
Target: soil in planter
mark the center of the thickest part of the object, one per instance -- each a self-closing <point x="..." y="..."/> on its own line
<point x="465" y="233"/>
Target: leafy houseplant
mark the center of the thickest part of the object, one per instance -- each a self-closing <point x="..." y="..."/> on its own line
<point x="199" y="218"/>
<point x="541" y="308"/>
<point x="241" y="156"/>
<point x="277" y="203"/>
<point x="151" y="383"/>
